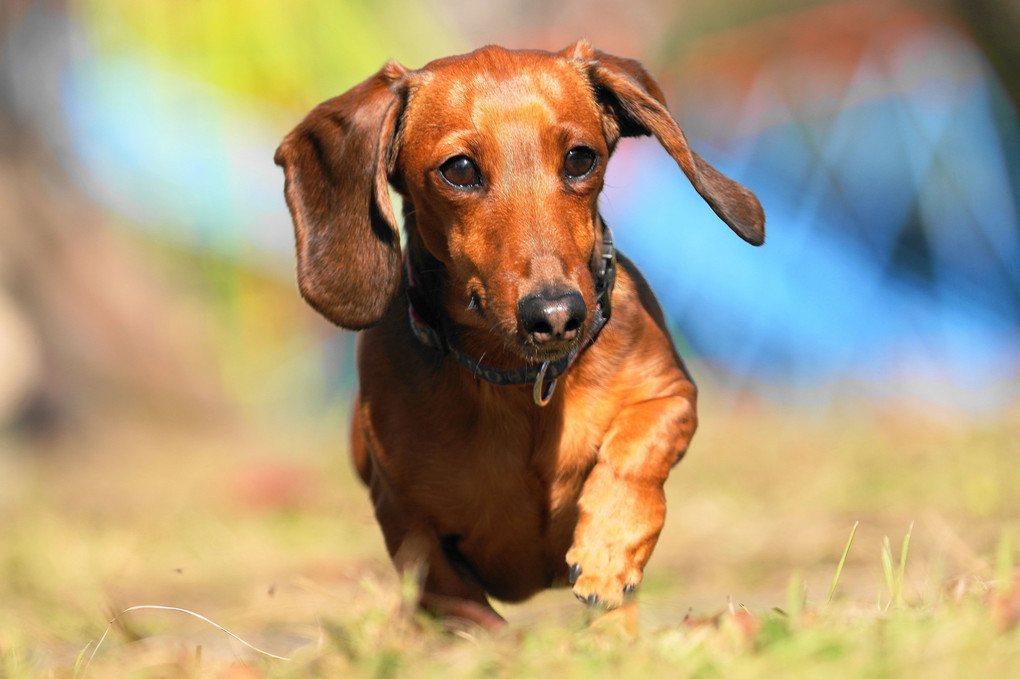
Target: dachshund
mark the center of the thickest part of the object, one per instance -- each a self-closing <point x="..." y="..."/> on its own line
<point x="520" y="400"/>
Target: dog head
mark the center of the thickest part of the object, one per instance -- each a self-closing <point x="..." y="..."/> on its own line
<point x="500" y="156"/>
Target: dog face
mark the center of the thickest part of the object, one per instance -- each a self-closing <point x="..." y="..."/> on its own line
<point x="500" y="156"/>
<point x="505" y="191"/>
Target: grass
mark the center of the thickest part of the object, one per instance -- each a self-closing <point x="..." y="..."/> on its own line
<point x="259" y="527"/>
<point x="842" y="562"/>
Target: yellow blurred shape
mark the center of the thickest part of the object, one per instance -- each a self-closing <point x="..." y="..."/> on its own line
<point x="287" y="53"/>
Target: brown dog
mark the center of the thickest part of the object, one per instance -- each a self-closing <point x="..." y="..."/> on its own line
<point x="513" y="437"/>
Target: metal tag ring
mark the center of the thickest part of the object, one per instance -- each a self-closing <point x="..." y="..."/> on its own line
<point x="540" y="398"/>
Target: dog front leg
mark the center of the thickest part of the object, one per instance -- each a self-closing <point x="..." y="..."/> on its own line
<point x="622" y="506"/>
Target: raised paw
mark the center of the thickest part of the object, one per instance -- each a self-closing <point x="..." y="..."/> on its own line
<point x="603" y="584"/>
<point x="593" y="599"/>
<point x="617" y="528"/>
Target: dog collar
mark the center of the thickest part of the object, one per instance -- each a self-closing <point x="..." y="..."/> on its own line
<point x="428" y="328"/>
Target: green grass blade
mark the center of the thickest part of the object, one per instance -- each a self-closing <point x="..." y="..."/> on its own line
<point x="842" y="560"/>
<point x="796" y="593"/>
<point x="80" y="662"/>
<point x="903" y="565"/>
<point x="887" y="568"/>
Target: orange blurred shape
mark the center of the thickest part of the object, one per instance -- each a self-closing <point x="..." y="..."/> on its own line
<point x="273" y="486"/>
<point x="1006" y="605"/>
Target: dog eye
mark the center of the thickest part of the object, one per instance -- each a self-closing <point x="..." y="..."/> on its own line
<point x="579" y="161"/>
<point x="461" y="172"/>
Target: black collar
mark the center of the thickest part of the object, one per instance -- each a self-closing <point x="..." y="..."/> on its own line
<point x="428" y="329"/>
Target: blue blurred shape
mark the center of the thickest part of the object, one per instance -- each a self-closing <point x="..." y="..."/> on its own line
<point x="176" y="156"/>
<point x="892" y="254"/>
<point x="893" y="249"/>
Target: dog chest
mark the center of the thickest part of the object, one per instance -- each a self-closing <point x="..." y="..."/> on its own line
<point x="504" y="506"/>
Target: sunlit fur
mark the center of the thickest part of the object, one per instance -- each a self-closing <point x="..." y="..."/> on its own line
<point x="485" y="491"/>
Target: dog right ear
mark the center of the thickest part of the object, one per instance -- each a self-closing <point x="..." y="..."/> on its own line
<point x="336" y="164"/>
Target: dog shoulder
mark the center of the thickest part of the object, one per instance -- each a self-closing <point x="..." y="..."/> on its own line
<point x="638" y="333"/>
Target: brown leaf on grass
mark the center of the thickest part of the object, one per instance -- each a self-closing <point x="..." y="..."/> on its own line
<point x="737" y="617"/>
<point x="697" y="622"/>
<point x="745" y="622"/>
<point x="1005" y="604"/>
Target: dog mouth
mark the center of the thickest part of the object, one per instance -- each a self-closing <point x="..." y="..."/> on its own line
<point x="533" y="352"/>
<point x="543" y="346"/>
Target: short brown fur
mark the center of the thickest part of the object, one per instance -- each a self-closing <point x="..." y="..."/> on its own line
<point x="491" y="494"/>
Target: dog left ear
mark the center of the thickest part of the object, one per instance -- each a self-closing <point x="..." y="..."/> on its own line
<point x="336" y="164"/>
<point x="635" y="106"/>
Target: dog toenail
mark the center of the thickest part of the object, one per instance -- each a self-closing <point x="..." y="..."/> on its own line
<point x="575" y="572"/>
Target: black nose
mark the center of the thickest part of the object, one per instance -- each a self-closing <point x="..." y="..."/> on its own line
<point x="552" y="315"/>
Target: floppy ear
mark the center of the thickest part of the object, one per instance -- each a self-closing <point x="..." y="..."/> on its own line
<point x="336" y="164"/>
<point x="634" y="106"/>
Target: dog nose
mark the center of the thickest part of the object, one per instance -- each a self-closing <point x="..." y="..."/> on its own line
<point x="552" y="315"/>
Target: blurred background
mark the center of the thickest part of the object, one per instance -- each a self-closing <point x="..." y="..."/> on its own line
<point x="158" y="368"/>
